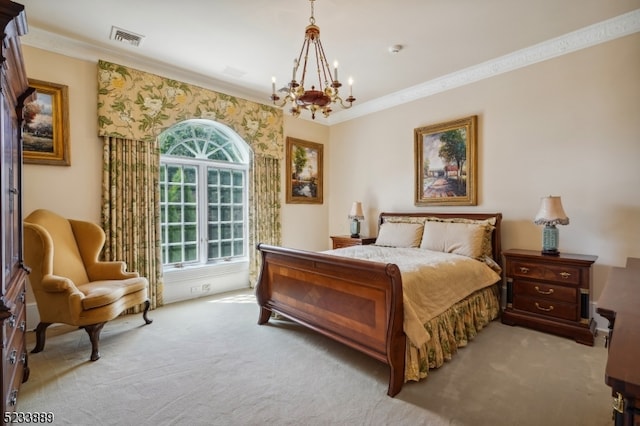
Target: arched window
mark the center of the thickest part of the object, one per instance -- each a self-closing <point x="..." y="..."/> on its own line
<point x="203" y="193"/>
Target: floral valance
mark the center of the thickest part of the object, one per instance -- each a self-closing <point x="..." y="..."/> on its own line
<point x="137" y="105"/>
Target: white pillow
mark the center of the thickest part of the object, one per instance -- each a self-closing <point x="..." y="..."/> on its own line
<point x="399" y="234"/>
<point x="466" y="239"/>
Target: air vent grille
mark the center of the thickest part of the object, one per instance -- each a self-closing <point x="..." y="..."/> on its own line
<point x="125" y="36"/>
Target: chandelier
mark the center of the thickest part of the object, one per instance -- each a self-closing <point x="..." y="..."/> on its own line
<point x="325" y="92"/>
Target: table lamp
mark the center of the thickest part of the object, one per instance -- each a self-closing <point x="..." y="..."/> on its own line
<point x="356" y="216"/>
<point x="551" y="214"/>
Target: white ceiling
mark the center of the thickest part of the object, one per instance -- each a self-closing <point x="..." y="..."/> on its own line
<point x="236" y="46"/>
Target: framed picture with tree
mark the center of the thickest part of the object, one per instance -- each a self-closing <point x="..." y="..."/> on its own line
<point x="45" y="136"/>
<point x="304" y="171"/>
<point x="446" y="164"/>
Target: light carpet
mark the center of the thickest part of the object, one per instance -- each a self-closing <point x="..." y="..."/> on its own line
<point x="207" y="362"/>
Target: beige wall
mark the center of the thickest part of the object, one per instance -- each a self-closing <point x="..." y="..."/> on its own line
<point x="568" y="127"/>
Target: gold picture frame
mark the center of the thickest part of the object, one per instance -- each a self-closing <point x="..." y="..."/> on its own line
<point x="45" y="136"/>
<point x="304" y="171"/>
<point x="446" y="163"/>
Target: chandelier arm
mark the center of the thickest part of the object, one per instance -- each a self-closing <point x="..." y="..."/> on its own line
<point x="307" y="44"/>
<point x="350" y="100"/>
<point x="319" y="64"/>
<point x="325" y="65"/>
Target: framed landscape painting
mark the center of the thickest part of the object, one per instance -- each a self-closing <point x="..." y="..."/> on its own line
<point x="445" y="163"/>
<point x="304" y="172"/>
<point x="45" y="136"/>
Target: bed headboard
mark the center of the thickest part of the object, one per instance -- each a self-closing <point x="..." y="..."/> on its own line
<point x="495" y="237"/>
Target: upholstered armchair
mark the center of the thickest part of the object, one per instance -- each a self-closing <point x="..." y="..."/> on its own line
<point x="70" y="284"/>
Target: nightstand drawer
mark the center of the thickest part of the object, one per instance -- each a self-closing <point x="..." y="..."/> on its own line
<point x="340" y="241"/>
<point x="548" y="292"/>
<point x="550" y="308"/>
<point x="541" y="271"/>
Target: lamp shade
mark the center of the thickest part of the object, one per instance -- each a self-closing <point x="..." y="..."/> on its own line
<point x="551" y="212"/>
<point x="356" y="211"/>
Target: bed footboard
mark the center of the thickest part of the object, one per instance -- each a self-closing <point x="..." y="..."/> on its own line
<point x="355" y="302"/>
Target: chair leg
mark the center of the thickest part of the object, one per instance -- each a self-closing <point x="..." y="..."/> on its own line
<point x="147" y="305"/>
<point x="41" y="336"/>
<point x="94" y="335"/>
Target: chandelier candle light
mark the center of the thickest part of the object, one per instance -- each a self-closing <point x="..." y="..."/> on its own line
<point x="356" y="215"/>
<point x="551" y="214"/>
<point x="326" y="92"/>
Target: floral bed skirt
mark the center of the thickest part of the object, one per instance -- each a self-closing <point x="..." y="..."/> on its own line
<point x="451" y="330"/>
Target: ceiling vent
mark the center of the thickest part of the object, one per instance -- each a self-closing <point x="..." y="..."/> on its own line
<point x="125" y="36"/>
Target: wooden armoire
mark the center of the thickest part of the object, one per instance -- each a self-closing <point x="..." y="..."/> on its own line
<point x="14" y="93"/>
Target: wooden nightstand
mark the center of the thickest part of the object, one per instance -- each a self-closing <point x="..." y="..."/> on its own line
<point x="550" y="293"/>
<point x="346" y="241"/>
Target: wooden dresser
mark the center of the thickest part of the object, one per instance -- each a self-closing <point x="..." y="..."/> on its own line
<point x="620" y="304"/>
<point x="347" y="241"/>
<point x="550" y="293"/>
<point x="15" y="92"/>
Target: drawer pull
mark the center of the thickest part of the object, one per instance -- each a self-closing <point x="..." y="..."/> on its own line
<point x="13" y="398"/>
<point x="12" y="321"/>
<point x="543" y="292"/>
<point x="524" y="270"/>
<point x="549" y="309"/>
<point x="23" y="326"/>
<point x="13" y="357"/>
<point x="565" y="275"/>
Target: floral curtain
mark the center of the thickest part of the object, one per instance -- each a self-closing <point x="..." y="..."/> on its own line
<point x="264" y="213"/>
<point x="135" y="105"/>
<point x="130" y="195"/>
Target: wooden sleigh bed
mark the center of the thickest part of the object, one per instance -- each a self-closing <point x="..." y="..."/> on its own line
<point x="360" y="302"/>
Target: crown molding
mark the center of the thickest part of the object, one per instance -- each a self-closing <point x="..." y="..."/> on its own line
<point x="78" y="49"/>
<point x="583" y="38"/>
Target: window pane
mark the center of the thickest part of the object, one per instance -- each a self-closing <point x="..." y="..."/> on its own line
<point x="213" y="214"/>
<point x="175" y="173"/>
<point x="237" y="230"/>
<point x="175" y="214"/>
<point x="238" y="213"/>
<point x="191" y="214"/>
<point x="190" y="252"/>
<point x="225" y="213"/>
<point x="225" y="249"/>
<point x="190" y="174"/>
<point x="225" y="195"/>
<point x="212" y="195"/>
<point x="190" y="195"/>
<point x="214" y="233"/>
<point x="237" y="195"/>
<point x="190" y="233"/>
<point x="225" y="230"/>
<point x="214" y="250"/>
<point x="225" y="177"/>
<point x="238" y="178"/>
<point x="213" y="177"/>
<point x="175" y="234"/>
<point x="238" y="248"/>
<point x="175" y="254"/>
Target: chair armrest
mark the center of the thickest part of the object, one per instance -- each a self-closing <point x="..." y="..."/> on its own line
<point x="114" y="270"/>
<point x="56" y="284"/>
